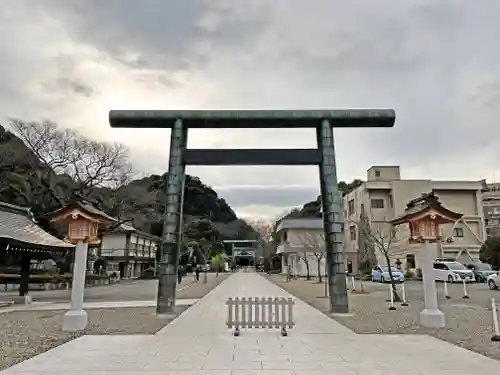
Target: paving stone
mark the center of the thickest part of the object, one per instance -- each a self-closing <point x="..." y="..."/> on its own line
<point x="198" y="343"/>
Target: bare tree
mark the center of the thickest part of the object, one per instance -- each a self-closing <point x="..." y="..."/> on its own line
<point x="382" y="237"/>
<point x="205" y="248"/>
<point x="313" y="243"/>
<point x="59" y="152"/>
<point x="265" y="243"/>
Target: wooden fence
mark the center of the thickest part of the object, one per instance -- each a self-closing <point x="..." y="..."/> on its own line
<point x="260" y="313"/>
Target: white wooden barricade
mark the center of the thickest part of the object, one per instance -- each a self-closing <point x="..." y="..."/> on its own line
<point x="260" y="313"/>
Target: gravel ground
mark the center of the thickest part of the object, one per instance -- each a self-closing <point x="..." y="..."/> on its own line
<point x="24" y="334"/>
<point x="468" y="323"/>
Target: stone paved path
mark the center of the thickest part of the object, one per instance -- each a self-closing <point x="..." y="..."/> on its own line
<point x="198" y="343"/>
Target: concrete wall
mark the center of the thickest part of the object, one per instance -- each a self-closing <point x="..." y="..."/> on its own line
<point x="394" y="193"/>
<point x="113" y="244"/>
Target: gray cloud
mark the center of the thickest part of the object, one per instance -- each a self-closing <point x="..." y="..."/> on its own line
<point x="435" y="62"/>
<point x="70" y="86"/>
<point x="157" y="34"/>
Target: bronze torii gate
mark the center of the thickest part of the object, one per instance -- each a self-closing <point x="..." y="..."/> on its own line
<point x="323" y="156"/>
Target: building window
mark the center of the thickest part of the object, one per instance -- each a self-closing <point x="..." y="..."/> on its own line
<point x="377" y="203"/>
<point x="352" y="233"/>
<point x="410" y="261"/>
<point x="350" y="207"/>
<point x="377" y="173"/>
<point x="458" y="232"/>
<point x="285" y="236"/>
<point x="391" y="201"/>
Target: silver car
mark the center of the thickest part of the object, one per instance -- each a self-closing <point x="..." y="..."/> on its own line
<point x="493" y="281"/>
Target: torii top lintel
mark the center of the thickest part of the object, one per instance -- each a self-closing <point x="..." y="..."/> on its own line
<point x="338" y="118"/>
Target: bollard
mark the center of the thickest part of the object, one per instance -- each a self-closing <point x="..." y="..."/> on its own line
<point x="347" y="282"/>
<point x="403" y="292"/>
<point x="496" y="336"/>
<point x="446" y="295"/>
<point x="326" y="285"/>
<point x="392" y="307"/>
<point x="466" y="296"/>
<point x="361" y="289"/>
<point x="353" y="283"/>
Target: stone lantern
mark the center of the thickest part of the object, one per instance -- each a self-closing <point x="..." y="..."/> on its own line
<point x="81" y="221"/>
<point x="424" y="215"/>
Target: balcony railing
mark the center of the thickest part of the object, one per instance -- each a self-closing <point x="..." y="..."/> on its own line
<point x="128" y="253"/>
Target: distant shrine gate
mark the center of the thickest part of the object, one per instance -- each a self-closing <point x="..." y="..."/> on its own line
<point x="323" y="156"/>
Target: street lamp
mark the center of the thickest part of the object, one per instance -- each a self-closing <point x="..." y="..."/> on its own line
<point x="82" y="230"/>
<point x="424" y="216"/>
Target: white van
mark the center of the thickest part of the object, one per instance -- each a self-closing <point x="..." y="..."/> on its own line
<point x="452" y="272"/>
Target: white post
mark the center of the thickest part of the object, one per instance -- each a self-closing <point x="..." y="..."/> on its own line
<point x="430" y="316"/>
<point x="75" y="318"/>
<point x="446" y="295"/>
<point x="466" y="296"/>
<point x="496" y="336"/>
<point x="392" y="307"/>
<point x="403" y="292"/>
<point x="353" y="283"/>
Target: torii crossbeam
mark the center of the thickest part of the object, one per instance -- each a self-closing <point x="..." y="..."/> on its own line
<point x="323" y="156"/>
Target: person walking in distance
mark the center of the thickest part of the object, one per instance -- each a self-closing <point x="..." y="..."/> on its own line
<point x="179" y="276"/>
<point x="197" y="272"/>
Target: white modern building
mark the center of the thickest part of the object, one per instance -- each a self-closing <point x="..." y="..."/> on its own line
<point x="384" y="195"/>
<point x="491" y="203"/>
<point x="128" y="251"/>
<point x="302" y="245"/>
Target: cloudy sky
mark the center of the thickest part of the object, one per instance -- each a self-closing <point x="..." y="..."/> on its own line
<point x="436" y="62"/>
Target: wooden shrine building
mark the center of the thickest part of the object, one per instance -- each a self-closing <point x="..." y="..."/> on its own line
<point x="22" y="240"/>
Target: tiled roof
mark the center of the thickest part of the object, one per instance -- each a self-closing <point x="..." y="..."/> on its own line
<point x="422" y="203"/>
<point x="17" y="225"/>
<point x="305" y="223"/>
<point x="124" y="227"/>
<point x="95" y="211"/>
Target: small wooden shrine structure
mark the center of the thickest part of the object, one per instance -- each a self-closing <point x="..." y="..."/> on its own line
<point x="80" y="220"/>
<point x="424" y="215"/>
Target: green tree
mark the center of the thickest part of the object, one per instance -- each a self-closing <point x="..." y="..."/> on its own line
<point x="218" y="262"/>
<point x="490" y="252"/>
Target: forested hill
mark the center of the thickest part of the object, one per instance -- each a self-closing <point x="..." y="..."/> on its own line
<point x="313" y="208"/>
<point x="42" y="165"/>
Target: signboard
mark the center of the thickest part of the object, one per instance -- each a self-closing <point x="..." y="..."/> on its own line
<point x="243" y="253"/>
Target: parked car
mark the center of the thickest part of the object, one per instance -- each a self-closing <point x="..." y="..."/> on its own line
<point x="493" y="281"/>
<point x="452" y="272"/>
<point x="381" y="273"/>
<point x="481" y="271"/>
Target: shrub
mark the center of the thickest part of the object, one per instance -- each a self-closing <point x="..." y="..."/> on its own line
<point x="418" y="272"/>
<point x="218" y="262"/>
<point x="408" y="274"/>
